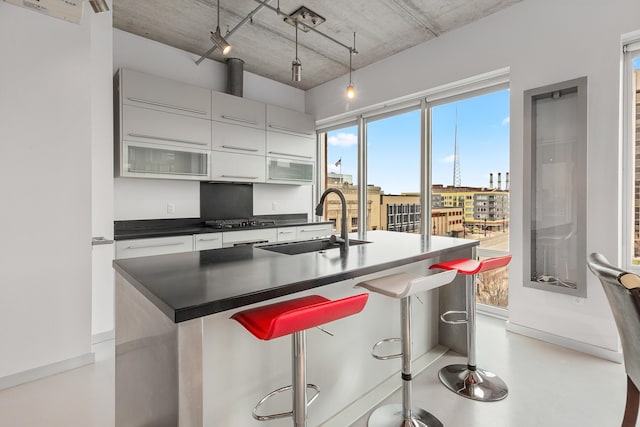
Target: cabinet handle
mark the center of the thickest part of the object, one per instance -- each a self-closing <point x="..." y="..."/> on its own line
<point x="286" y="232"/>
<point x="174" y="107"/>
<point x="278" y="153"/>
<point x="233" y="147"/>
<point x="161" y="138"/>
<point x="240" y="119"/>
<point x="157" y="245"/>
<point x="276" y="127"/>
<point x="291" y="179"/>
<point x="96" y="241"/>
<point x="239" y="176"/>
<point x="209" y="240"/>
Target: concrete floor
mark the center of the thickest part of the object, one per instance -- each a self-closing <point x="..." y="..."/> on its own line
<point x="548" y="386"/>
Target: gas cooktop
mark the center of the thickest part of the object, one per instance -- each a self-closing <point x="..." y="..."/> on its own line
<point x="239" y="223"/>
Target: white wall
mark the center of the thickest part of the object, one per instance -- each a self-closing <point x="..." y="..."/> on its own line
<point x="543" y="42"/>
<point x="45" y="179"/>
<point x="147" y="198"/>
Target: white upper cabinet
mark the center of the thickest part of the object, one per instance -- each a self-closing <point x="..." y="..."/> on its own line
<point x="157" y="93"/>
<point x="238" y="111"/>
<point x="289" y="121"/>
<point x="235" y="167"/>
<point x="237" y="139"/>
<point x="144" y="125"/>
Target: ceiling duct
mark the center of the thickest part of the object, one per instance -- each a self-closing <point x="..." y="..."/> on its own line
<point x="235" y="70"/>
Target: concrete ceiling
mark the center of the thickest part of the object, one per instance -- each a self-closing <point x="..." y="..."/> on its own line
<point x="267" y="44"/>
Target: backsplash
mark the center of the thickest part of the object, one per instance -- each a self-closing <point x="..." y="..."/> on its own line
<point x="136" y="199"/>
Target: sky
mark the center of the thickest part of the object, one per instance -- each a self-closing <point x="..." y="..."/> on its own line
<point x="394" y="145"/>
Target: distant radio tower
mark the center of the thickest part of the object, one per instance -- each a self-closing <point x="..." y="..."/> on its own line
<point x="456" y="158"/>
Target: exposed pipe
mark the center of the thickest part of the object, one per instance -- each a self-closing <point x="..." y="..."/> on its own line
<point x="234" y="29"/>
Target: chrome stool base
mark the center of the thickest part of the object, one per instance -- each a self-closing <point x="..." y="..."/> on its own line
<point x="391" y="416"/>
<point x="477" y="385"/>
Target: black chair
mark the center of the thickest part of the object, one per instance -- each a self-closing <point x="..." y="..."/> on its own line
<point x="623" y="292"/>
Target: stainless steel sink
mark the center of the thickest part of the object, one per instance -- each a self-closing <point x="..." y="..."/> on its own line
<point x="295" y="248"/>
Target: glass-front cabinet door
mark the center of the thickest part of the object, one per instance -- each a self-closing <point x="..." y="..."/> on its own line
<point x="555" y="180"/>
<point x="289" y="171"/>
<point x="155" y="161"/>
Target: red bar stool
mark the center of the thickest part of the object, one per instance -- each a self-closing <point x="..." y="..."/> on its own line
<point x="402" y="286"/>
<point x="293" y="318"/>
<point x="470" y="381"/>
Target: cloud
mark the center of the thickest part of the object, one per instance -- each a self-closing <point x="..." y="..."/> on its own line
<point x="506" y="121"/>
<point x="343" y="139"/>
<point x="448" y="159"/>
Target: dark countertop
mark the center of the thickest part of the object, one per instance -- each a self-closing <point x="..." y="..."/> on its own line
<point x="143" y="229"/>
<point x="189" y="285"/>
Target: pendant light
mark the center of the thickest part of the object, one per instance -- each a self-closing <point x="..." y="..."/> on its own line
<point x="351" y="90"/>
<point x="296" y="65"/>
<point x="217" y="38"/>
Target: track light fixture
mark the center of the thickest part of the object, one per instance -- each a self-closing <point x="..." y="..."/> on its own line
<point x="296" y="65"/>
<point x="217" y="38"/>
<point x="351" y="91"/>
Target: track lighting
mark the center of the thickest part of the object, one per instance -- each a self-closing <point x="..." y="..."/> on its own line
<point x="296" y="65"/>
<point x="217" y="38"/>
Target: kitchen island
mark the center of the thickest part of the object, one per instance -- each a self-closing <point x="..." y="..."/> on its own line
<point x="181" y="361"/>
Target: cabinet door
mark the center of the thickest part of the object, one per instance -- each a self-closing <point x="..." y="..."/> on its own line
<point x="287" y="234"/>
<point x="233" y="238"/>
<point x="138" y="159"/>
<point x="202" y="242"/>
<point x="237" y="167"/>
<point x="158" y="93"/>
<point x="289" y="171"/>
<point x="239" y="111"/>
<point x="308" y="232"/>
<point x="144" y="125"/>
<point x="237" y="139"/>
<point x="290" y="146"/>
<point x="154" y="246"/>
<point x="283" y="120"/>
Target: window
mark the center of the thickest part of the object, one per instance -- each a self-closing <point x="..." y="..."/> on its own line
<point x="393" y="166"/>
<point x="632" y="147"/>
<point x="340" y="154"/>
<point x="470" y="163"/>
<point x="391" y="143"/>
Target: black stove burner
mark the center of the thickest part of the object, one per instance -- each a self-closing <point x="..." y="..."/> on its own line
<point x="239" y="223"/>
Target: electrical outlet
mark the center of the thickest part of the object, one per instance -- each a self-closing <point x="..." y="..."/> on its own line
<point x="274" y="206"/>
<point x="171" y="208"/>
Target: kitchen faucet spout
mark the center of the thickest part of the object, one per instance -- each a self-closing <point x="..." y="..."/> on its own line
<point x="343" y="233"/>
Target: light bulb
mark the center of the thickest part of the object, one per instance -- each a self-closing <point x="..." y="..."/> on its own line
<point x="351" y="91"/>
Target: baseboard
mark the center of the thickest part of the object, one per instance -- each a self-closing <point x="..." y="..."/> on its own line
<point x="593" y="350"/>
<point x="373" y="397"/>
<point x="102" y="336"/>
<point x="46" y="370"/>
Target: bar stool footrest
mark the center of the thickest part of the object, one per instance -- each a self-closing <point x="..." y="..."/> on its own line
<point x="282" y="414"/>
<point x="385" y="357"/>
<point x="450" y="313"/>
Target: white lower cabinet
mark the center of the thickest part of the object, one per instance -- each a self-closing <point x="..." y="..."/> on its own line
<point x="153" y="246"/>
<point x="249" y="237"/>
<point x="287" y="234"/>
<point x="308" y="232"/>
<point x="203" y="242"/>
<point x="237" y="167"/>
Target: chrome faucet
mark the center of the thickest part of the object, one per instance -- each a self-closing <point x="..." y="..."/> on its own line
<point x="343" y="232"/>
